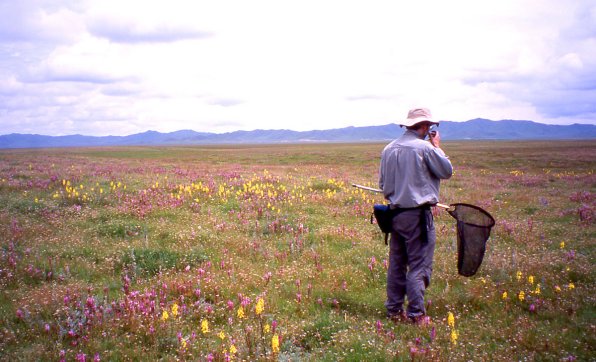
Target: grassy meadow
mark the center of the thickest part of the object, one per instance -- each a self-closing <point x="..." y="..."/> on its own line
<point x="267" y="253"/>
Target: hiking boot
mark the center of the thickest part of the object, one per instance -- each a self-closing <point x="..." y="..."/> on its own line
<point x="398" y="317"/>
<point x="421" y="320"/>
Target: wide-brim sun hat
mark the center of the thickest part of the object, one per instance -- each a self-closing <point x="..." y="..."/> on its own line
<point x="418" y="115"/>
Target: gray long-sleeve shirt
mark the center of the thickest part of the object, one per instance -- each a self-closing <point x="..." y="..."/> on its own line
<point x="411" y="171"/>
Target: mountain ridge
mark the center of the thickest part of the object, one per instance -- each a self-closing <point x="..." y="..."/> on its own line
<point x="477" y="129"/>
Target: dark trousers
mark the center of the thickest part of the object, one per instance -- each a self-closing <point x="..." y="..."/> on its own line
<point x="410" y="261"/>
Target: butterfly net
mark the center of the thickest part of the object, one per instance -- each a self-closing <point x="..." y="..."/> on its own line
<point x="473" y="229"/>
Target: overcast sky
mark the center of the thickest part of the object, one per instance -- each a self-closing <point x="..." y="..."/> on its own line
<point x="103" y="67"/>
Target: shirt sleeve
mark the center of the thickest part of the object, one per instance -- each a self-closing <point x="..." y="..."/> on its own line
<point x="381" y="174"/>
<point x="438" y="163"/>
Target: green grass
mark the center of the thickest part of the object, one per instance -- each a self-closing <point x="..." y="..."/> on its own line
<point x="303" y="245"/>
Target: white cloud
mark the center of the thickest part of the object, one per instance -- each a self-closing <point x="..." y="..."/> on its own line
<point x="113" y="67"/>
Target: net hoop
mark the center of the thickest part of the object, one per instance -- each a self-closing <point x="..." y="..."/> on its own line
<point x="490" y="220"/>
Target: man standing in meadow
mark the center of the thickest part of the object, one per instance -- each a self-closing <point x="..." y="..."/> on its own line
<point x="410" y="175"/>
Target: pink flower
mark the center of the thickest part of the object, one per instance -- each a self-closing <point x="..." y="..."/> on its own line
<point x="379" y="326"/>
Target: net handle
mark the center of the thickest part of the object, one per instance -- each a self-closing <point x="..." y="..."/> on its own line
<point x="446" y="207"/>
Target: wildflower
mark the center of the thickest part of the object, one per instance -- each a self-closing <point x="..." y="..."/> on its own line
<point x="504" y="296"/>
<point x="275" y="343"/>
<point x="175" y="310"/>
<point x="454" y="336"/>
<point x="183" y="343"/>
<point x="205" y="326"/>
<point x="562" y="245"/>
<point x="165" y="315"/>
<point x="233" y="349"/>
<point x="571" y="286"/>
<point x="267" y="328"/>
<point x="240" y="312"/>
<point x="450" y="320"/>
<point x="518" y="275"/>
<point x="222" y="335"/>
<point x="557" y="289"/>
<point x="522" y="296"/>
<point x="260" y="306"/>
<point x="531" y="279"/>
<point x="537" y="291"/>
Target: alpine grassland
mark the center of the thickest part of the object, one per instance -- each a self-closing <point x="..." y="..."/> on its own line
<point x="267" y="253"/>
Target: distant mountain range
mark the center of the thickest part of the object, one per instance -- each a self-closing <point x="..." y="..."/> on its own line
<point x="475" y="129"/>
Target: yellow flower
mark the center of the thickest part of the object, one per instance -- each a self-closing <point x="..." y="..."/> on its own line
<point x="504" y="296"/>
<point x="531" y="279"/>
<point x="518" y="275"/>
<point x="165" y="315"/>
<point x="454" y="336"/>
<point x="537" y="291"/>
<point x="450" y="320"/>
<point x="233" y="349"/>
<point x="522" y="296"/>
<point x="275" y="343"/>
<point x="222" y="335"/>
<point x="175" y="310"/>
<point x="183" y="343"/>
<point x="240" y="312"/>
<point x="571" y="286"/>
<point x="562" y="245"/>
<point x="260" y="306"/>
<point x="267" y="328"/>
<point x="204" y="326"/>
<point x="557" y="289"/>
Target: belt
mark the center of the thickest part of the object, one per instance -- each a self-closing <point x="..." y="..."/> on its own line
<point x="423" y="206"/>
